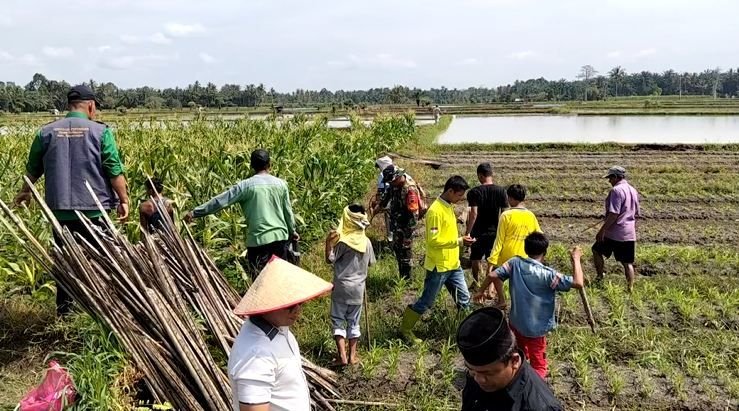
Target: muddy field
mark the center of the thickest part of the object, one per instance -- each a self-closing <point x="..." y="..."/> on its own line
<point x="671" y="344"/>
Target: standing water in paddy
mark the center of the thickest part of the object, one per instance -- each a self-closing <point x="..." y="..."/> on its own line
<point x="673" y="129"/>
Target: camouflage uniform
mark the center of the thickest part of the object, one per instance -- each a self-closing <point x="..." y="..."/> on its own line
<point x="404" y="204"/>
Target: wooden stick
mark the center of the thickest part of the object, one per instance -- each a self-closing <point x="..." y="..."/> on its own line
<point x="366" y="319"/>
<point x="588" y="311"/>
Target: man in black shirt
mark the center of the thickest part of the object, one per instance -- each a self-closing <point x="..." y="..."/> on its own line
<point x="486" y="203"/>
<point x="499" y="377"/>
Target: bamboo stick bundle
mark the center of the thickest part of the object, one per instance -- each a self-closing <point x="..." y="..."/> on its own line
<point x="163" y="299"/>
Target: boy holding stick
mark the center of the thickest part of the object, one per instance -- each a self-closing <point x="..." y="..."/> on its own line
<point x="533" y="288"/>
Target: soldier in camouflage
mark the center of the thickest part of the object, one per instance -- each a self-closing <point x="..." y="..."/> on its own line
<point x="404" y="199"/>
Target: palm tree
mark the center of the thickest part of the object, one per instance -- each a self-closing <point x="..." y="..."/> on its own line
<point x="617" y="75"/>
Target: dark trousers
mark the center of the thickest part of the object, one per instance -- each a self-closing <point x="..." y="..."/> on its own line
<point x="402" y="243"/>
<point x="63" y="300"/>
<point x="258" y="257"/>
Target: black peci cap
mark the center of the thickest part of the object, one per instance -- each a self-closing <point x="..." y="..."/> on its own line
<point x="81" y="93"/>
<point x="484" y="337"/>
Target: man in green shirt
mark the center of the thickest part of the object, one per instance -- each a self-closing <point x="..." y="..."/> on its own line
<point x="265" y="202"/>
<point x="70" y="152"/>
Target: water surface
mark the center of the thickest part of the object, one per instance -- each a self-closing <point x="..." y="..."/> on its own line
<point x="666" y="129"/>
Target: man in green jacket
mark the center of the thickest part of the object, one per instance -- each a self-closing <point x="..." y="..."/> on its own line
<point x="70" y="152"/>
<point x="265" y="202"/>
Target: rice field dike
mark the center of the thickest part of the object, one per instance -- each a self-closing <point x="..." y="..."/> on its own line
<point x="672" y="344"/>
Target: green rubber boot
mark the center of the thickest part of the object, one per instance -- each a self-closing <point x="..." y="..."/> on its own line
<point x="410" y="318"/>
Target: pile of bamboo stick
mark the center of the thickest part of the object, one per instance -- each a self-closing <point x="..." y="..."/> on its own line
<point x="165" y="301"/>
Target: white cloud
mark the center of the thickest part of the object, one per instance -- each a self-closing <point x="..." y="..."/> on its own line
<point x="468" y="62"/>
<point x="128" y="62"/>
<point x="183" y="30"/>
<point x="207" y="58"/>
<point x="156" y="38"/>
<point x="614" y="54"/>
<point x="103" y="48"/>
<point x="376" y="61"/>
<point x="522" y="55"/>
<point x="159" y="38"/>
<point x="58" y="52"/>
<point x="28" y="59"/>
<point x="646" y="52"/>
<point x="6" y="21"/>
<point x="6" y="57"/>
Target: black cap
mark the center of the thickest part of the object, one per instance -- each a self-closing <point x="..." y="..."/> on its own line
<point x="81" y="93"/>
<point x="388" y="174"/>
<point x="484" y="337"/>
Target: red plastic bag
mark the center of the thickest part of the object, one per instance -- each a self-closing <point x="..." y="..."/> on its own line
<point x="55" y="393"/>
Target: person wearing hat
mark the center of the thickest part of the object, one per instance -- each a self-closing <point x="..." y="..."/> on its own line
<point x="382" y="163"/>
<point x="498" y="376"/>
<point x="442" y="257"/>
<point x="350" y="252"/>
<point x="617" y="236"/>
<point x="71" y="152"/>
<point x="265" y="367"/>
<point x="265" y="202"/>
<point x="406" y="203"/>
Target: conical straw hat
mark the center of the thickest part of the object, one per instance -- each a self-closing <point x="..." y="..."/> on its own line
<point x="280" y="285"/>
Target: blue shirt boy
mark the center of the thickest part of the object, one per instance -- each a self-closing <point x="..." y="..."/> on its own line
<point x="533" y="286"/>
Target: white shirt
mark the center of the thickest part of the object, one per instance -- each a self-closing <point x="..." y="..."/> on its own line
<point x="267" y="370"/>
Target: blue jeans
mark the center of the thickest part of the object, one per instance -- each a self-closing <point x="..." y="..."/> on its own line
<point x="454" y="282"/>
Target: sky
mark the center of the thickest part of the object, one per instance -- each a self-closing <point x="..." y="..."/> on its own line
<point x="291" y="44"/>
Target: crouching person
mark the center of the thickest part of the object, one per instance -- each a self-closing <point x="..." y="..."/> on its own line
<point x="351" y="253"/>
<point x="265" y="366"/>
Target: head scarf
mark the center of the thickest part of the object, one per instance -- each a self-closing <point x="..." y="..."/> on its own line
<point x="383" y="162"/>
<point x="351" y="230"/>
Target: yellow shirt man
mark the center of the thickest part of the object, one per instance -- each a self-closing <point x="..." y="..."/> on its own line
<point x="442" y="237"/>
<point x="514" y="226"/>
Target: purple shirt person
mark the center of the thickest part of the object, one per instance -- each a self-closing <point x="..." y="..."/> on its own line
<point x="617" y="236"/>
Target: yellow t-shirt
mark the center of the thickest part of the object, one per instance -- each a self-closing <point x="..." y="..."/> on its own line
<point x="514" y="226"/>
<point x="442" y="237"/>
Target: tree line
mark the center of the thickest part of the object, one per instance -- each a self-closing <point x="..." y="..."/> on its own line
<point x="42" y="94"/>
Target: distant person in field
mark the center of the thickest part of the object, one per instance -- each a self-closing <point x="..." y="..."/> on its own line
<point x="442" y="257"/>
<point x="514" y="225"/>
<point x="265" y="202"/>
<point x="617" y="236"/>
<point x="498" y="376"/>
<point x="71" y="152"/>
<point x="350" y="252"/>
<point x="533" y="289"/>
<point x="437" y="114"/>
<point x="487" y="201"/>
<point x="149" y="216"/>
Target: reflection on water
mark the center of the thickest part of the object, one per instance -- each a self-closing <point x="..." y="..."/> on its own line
<point x="667" y="129"/>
